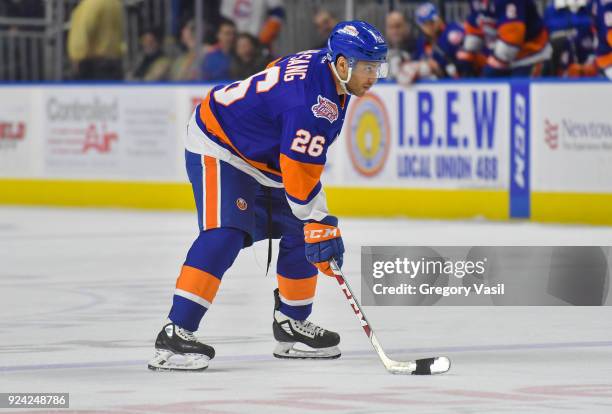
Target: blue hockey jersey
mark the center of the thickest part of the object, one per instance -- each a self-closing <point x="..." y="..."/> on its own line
<point x="602" y="11"/>
<point x="280" y="121"/>
<point x="444" y="49"/>
<point x="572" y="31"/>
<point x="518" y="28"/>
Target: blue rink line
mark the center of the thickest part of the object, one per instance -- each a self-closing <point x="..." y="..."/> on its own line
<point x="345" y="354"/>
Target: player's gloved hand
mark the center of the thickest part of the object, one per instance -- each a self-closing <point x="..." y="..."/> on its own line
<point x="323" y="242"/>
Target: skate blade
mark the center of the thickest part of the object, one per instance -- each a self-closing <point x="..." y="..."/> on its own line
<point x="168" y="361"/>
<point x="287" y="350"/>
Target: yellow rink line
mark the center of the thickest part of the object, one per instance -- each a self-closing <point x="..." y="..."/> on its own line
<point x="142" y="195"/>
<point x="393" y="202"/>
<point x="584" y="208"/>
<point x="357" y="202"/>
<point x="343" y="201"/>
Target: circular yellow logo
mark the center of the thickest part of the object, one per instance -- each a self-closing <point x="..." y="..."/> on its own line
<point x="369" y="135"/>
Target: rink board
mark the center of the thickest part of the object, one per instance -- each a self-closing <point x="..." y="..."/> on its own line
<point x="546" y="207"/>
<point x="352" y="202"/>
<point x="497" y="150"/>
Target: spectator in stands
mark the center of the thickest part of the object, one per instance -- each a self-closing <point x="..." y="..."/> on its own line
<point x="261" y="18"/>
<point x="324" y="21"/>
<point x="216" y="63"/>
<point x="570" y="29"/>
<point x="437" y="47"/>
<point x="402" y="46"/>
<point x="152" y="65"/>
<point x="185" y="66"/>
<point x="602" y="13"/>
<point x="248" y="58"/>
<point x="95" y="40"/>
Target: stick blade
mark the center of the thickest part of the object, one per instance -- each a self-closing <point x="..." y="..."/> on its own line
<point x="425" y="366"/>
<point x="432" y="366"/>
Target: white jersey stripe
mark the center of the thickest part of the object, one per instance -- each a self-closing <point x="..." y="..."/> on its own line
<point x="192" y="297"/>
<point x="203" y="192"/>
<point x="218" y="192"/>
<point x="296" y="302"/>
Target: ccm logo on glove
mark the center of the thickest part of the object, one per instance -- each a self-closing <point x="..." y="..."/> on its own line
<point x="323" y="242"/>
<point x="318" y="232"/>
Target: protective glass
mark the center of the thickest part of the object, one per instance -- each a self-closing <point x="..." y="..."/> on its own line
<point x="380" y="70"/>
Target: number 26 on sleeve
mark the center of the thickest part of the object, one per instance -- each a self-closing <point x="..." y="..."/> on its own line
<point x="305" y="144"/>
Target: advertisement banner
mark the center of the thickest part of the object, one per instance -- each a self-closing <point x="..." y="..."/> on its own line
<point x="438" y="136"/>
<point x="520" y="165"/>
<point x="110" y="132"/>
<point x="17" y="143"/>
<point x="572" y="144"/>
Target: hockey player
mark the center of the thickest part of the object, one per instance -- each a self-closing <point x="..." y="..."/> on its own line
<point x="479" y="39"/>
<point x="439" y="42"/>
<point x="602" y="11"/>
<point x="255" y="151"/>
<point x="437" y="47"/>
<point x="521" y="42"/>
<point x="570" y="28"/>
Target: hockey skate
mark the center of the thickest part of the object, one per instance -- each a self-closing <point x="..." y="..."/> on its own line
<point x="177" y="349"/>
<point x="319" y="343"/>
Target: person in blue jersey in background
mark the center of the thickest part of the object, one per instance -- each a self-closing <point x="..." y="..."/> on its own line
<point x="255" y="152"/>
<point x="522" y="43"/>
<point x="437" y="47"/>
<point x="479" y="40"/>
<point x="570" y="29"/>
<point x="438" y="44"/>
<point x="510" y="34"/>
<point x="216" y="63"/>
<point x="602" y="13"/>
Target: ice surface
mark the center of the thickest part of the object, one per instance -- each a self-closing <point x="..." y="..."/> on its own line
<point x="84" y="292"/>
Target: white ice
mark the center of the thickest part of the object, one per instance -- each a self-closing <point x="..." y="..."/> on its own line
<point x="84" y="292"/>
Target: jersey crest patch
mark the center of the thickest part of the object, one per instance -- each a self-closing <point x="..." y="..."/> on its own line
<point x="324" y="108"/>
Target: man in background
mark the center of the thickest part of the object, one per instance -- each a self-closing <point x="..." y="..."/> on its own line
<point x="95" y="40"/>
<point x="185" y="66"/>
<point x="325" y="22"/>
<point x="153" y="65"/>
<point x="217" y="61"/>
<point x="402" y="45"/>
<point x="248" y="58"/>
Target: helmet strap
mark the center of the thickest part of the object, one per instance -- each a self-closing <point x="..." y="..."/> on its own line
<point x="343" y="82"/>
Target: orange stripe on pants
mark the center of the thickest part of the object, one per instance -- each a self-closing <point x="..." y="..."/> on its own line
<point x="297" y="289"/>
<point x="212" y="193"/>
<point x="198" y="282"/>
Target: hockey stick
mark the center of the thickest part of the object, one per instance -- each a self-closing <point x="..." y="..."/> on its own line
<point x="425" y="366"/>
